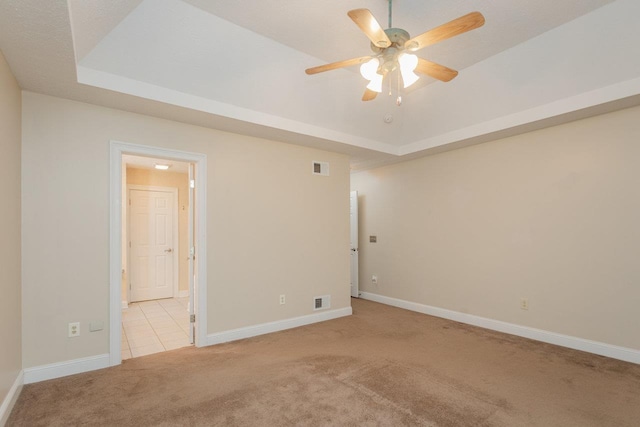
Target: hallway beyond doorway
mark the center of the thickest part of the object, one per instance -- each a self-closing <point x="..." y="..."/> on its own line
<point x="154" y="326"/>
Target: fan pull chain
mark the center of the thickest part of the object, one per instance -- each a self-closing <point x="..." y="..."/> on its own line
<point x="390" y="2"/>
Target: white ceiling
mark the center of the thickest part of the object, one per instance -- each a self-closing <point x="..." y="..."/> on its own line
<point x="239" y="66"/>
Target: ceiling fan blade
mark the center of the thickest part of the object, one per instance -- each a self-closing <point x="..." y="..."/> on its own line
<point x="336" y="65"/>
<point x="436" y="71"/>
<point x="453" y="28"/>
<point x="370" y="27"/>
<point x="369" y="95"/>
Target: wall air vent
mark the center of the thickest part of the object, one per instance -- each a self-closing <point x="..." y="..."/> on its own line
<point x="321" y="303"/>
<point x="320" y="168"/>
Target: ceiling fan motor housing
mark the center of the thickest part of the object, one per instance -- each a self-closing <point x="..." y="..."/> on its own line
<point x="397" y="36"/>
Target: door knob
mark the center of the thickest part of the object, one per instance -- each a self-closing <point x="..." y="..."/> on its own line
<point x="168" y="250"/>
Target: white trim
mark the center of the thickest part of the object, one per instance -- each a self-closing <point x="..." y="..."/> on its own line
<point x="595" y="347"/>
<point x="576" y="106"/>
<point x="183" y="294"/>
<point x="10" y="399"/>
<point x="278" y="325"/>
<point x="354" y="285"/>
<point x="125" y="304"/>
<point x="63" y="369"/>
<point x="572" y="105"/>
<point x="153" y="92"/>
<point x="117" y="149"/>
<point x="175" y="237"/>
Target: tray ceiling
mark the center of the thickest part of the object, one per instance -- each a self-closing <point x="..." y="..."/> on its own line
<point x="239" y="66"/>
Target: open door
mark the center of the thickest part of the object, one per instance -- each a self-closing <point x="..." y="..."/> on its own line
<point x="153" y="236"/>
<point x="353" y="202"/>
<point x="192" y="256"/>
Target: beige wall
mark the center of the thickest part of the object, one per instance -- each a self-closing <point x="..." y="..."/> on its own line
<point x="273" y="228"/>
<point x="180" y="181"/>
<point x="551" y="216"/>
<point x="10" y="304"/>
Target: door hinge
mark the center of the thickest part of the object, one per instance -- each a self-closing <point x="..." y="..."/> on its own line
<point x="192" y="318"/>
<point x="192" y="252"/>
<point x="192" y="183"/>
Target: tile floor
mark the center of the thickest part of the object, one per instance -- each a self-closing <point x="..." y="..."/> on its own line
<point x="153" y="326"/>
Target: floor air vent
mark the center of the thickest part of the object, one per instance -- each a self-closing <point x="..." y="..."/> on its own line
<point x="320" y="303"/>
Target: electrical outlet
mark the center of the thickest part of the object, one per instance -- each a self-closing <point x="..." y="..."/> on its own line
<point x="524" y="303"/>
<point x="74" y="329"/>
<point x="282" y="299"/>
<point x="374" y="279"/>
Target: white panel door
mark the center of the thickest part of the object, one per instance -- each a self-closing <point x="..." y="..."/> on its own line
<point x="353" y="215"/>
<point x="151" y="237"/>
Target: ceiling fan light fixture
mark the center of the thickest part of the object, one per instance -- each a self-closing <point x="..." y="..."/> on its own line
<point x="369" y="69"/>
<point x="376" y="83"/>
<point x="408" y="63"/>
<point x="408" y="78"/>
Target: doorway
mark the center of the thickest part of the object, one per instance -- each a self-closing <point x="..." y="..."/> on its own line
<point x="158" y="229"/>
<point x="156" y="286"/>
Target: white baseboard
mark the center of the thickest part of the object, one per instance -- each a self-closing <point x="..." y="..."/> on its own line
<point x="62" y="369"/>
<point x="279" y="325"/>
<point x="10" y="399"/>
<point x="183" y="294"/>
<point x="595" y="347"/>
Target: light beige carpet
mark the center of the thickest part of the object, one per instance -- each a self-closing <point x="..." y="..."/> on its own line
<point x="381" y="366"/>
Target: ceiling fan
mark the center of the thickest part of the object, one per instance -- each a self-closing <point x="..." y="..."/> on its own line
<point x="392" y="51"/>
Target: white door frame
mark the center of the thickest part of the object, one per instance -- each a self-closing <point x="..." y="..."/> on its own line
<point x="353" y="238"/>
<point x="191" y="224"/>
<point x="117" y="149"/>
<point x="176" y="234"/>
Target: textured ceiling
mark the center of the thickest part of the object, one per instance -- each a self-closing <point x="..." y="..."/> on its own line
<point x="238" y="66"/>
<point x="94" y="19"/>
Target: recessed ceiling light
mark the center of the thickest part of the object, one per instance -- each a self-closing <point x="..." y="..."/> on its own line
<point x="162" y="167"/>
